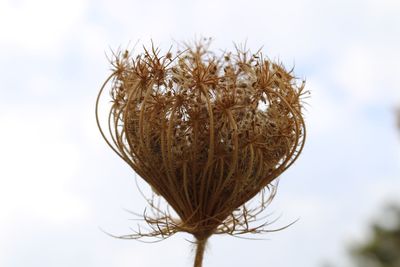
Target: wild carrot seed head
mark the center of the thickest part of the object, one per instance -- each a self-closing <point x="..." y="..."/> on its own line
<point x="207" y="132"/>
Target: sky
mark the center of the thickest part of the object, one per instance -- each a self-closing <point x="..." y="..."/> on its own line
<point x="61" y="186"/>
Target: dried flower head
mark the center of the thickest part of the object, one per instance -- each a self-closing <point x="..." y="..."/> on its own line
<point x="207" y="132"/>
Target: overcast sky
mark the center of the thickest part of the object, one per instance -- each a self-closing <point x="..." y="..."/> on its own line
<point x="60" y="183"/>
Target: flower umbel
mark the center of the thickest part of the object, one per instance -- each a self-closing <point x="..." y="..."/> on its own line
<point x="207" y="132"/>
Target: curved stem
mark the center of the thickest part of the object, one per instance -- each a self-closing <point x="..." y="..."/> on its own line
<point x="200" y="248"/>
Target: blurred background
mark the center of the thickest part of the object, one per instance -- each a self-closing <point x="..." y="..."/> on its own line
<point x="60" y="184"/>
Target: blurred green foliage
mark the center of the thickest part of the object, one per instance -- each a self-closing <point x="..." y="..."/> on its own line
<point x="382" y="249"/>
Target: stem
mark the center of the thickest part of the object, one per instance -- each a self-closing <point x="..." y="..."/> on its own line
<point x="200" y="248"/>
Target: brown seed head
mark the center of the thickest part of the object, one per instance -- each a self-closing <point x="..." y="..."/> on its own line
<point x="207" y="133"/>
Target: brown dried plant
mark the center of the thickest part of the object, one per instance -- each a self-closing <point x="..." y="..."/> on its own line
<point x="207" y="132"/>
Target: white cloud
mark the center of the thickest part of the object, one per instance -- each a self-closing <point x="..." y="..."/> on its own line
<point x="324" y="114"/>
<point x="383" y="8"/>
<point x="39" y="25"/>
<point x="38" y="164"/>
<point x="355" y="73"/>
<point x="368" y="73"/>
